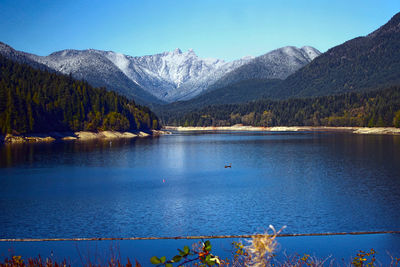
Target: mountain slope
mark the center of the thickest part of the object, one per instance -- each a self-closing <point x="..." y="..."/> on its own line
<point x="360" y="64"/>
<point x="240" y="92"/>
<point x="173" y="76"/>
<point x="247" y="82"/>
<point x="336" y="77"/>
<point x="84" y="65"/>
<point x="21" y="57"/>
<point x="160" y="78"/>
<point x="379" y="108"/>
<point x="92" y="66"/>
<point x="33" y="100"/>
<point x="165" y="77"/>
<point x="277" y="64"/>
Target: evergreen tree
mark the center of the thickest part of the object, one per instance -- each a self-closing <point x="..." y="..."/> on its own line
<point x="38" y="101"/>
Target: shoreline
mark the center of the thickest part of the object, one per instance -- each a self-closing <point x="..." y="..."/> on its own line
<point x="106" y="135"/>
<point x="77" y="136"/>
<point x="354" y="130"/>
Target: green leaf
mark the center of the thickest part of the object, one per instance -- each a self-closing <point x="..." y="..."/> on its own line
<point x="176" y="258"/>
<point x="209" y="261"/>
<point x="168" y="265"/>
<point x="155" y="260"/>
<point x="186" y="249"/>
<point x="207" y="245"/>
<point x="181" y="252"/>
<point x="163" y="259"/>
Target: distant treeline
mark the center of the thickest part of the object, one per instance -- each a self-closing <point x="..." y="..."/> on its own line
<point x="370" y="109"/>
<point x="38" y="101"/>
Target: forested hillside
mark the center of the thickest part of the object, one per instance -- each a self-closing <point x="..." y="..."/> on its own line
<point x="358" y="65"/>
<point x="375" y="108"/>
<point x="38" y="101"/>
<point x="240" y="92"/>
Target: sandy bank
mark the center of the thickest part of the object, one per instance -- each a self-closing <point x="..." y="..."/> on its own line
<point x="355" y="130"/>
<point x="83" y="135"/>
<point x="379" y="130"/>
<point x="79" y="136"/>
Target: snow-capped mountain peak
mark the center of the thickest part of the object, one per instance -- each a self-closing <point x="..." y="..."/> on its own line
<point x="177" y="75"/>
<point x="276" y="64"/>
<point x="168" y="76"/>
<point x="173" y="75"/>
<point x="311" y="52"/>
<point x="177" y="51"/>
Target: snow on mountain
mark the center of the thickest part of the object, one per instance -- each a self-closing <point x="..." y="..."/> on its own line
<point x="175" y="75"/>
<point x="21" y="57"/>
<point x="280" y="63"/>
<point x="91" y="65"/>
<point x="169" y="76"/>
<point x="277" y="64"/>
<point x="310" y="51"/>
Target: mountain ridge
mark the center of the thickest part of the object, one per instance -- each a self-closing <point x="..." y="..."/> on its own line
<point x="113" y="79"/>
<point x="276" y="64"/>
<point x="357" y="65"/>
<point x="163" y="77"/>
<point x="38" y="101"/>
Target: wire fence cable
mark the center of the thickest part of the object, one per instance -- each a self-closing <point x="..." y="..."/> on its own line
<point x="189" y="237"/>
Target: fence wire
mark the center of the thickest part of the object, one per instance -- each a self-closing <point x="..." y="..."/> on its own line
<point x="189" y="237"/>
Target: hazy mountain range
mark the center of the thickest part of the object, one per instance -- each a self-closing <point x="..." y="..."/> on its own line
<point x="165" y="77"/>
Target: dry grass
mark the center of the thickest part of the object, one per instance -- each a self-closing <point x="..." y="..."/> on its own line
<point x="261" y="248"/>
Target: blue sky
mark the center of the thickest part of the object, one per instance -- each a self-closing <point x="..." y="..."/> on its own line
<point x="226" y="29"/>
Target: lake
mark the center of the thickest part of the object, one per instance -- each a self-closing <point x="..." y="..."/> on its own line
<point x="178" y="185"/>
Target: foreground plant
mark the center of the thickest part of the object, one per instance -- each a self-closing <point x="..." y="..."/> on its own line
<point x="198" y="256"/>
<point x="261" y="248"/>
<point x="364" y="258"/>
<point x="260" y="251"/>
<point x="17" y="261"/>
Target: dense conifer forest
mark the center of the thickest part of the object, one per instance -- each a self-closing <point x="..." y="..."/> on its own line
<point x="37" y="101"/>
<point x="372" y="109"/>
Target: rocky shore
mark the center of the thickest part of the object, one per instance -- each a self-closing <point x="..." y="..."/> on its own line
<point x="79" y="136"/>
<point x="239" y="127"/>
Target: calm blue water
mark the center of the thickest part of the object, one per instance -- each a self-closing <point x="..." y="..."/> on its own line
<point x="324" y="182"/>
